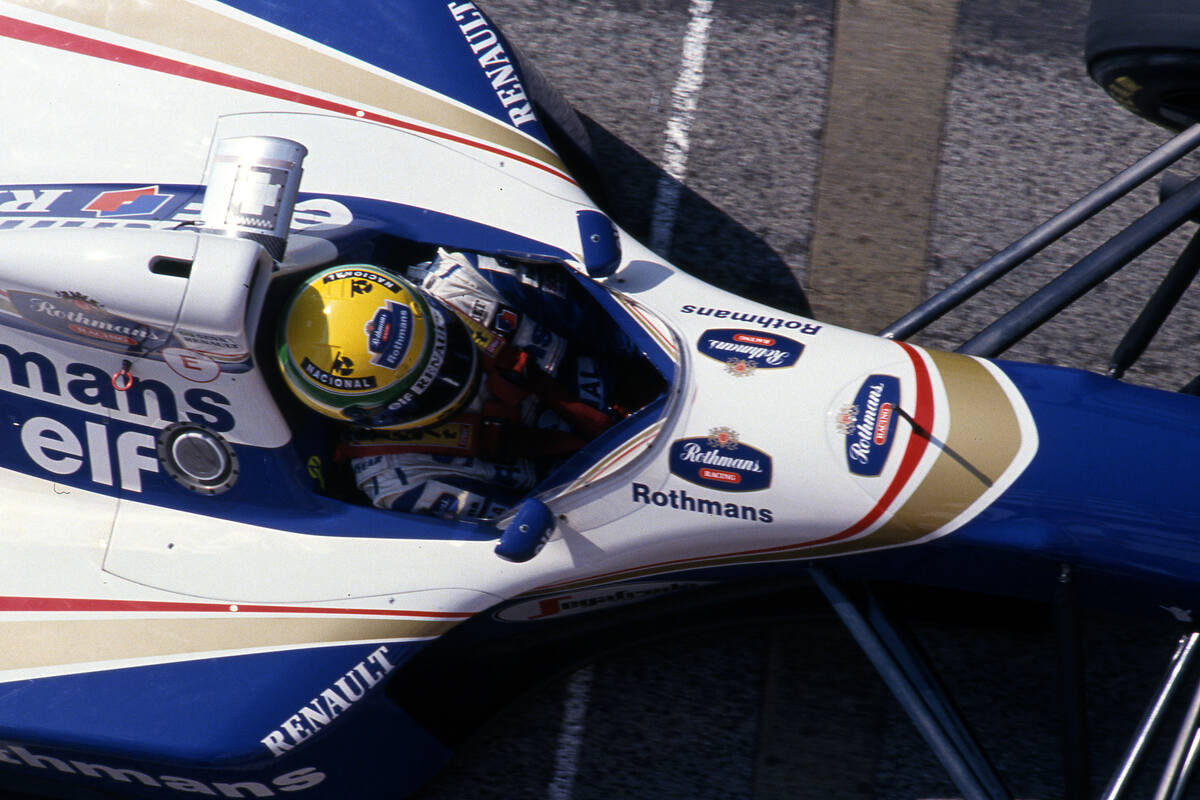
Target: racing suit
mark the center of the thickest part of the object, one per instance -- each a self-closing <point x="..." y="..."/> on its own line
<point x="539" y="399"/>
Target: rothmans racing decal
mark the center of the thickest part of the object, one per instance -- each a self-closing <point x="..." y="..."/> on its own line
<point x="744" y="351"/>
<point x="721" y="461"/>
<point x="388" y="334"/>
<point x="74" y="316"/>
<point x="936" y="486"/>
<point x="199" y="357"/>
<point x="869" y="424"/>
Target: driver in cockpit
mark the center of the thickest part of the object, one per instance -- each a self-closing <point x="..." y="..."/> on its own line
<point x="457" y="386"/>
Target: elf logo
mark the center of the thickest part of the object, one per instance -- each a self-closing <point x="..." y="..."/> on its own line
<point x="143" y="201"/>
<point x="56" y="448"/>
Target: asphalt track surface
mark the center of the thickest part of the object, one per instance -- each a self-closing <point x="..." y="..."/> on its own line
<point x="981" y="125"/>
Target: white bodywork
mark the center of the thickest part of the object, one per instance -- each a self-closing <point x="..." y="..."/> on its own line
<point x="627" y="518"/>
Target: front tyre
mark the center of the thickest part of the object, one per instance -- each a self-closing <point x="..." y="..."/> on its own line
<point x="1146" y="55"/>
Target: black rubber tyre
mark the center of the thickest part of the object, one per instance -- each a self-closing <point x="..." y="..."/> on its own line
<point x="1146" y="55"/>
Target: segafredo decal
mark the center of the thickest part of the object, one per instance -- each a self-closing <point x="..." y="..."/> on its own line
<point x="564" y="605"/>
<point x="743" y="352"/>
<point x="870" y="424"/>
<point x="721" y="461"/>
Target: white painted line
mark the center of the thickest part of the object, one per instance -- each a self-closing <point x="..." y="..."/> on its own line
<point x="684" y="98"/>
<point x="570" y="735"/>
<point x="666" y="203"/>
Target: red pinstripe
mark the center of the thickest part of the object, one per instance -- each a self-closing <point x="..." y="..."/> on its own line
<point x="87" y="604"/>
<point x="74" y="43"/>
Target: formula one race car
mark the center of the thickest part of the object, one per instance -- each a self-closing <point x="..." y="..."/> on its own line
<point x="195" y="598"/>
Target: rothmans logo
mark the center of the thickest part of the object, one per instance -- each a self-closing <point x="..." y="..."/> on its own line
<point x="80" y="299"/>
<point x="745" y="351"/>
<point x="869" y="424"/>
<point x="723" y="438"/>
<point x="74" y="315"/>
<point x="388" y="334"/>
<point x="721" y="461"/>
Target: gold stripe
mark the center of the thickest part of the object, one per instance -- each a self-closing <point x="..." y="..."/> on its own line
<point x="988" y="434"/>
<point x="984" y="431"/>
<point x="47" y="643"/>
<point x="197" y="31"/>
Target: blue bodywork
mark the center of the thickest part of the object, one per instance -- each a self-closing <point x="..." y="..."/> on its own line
<point x="1113" y="487"/>
<point x="449" y="46"/>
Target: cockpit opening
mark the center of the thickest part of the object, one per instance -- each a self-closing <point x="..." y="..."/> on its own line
<point x="434" y="381"/>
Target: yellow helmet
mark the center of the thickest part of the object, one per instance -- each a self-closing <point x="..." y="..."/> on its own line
<point x="359" y="344"/>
